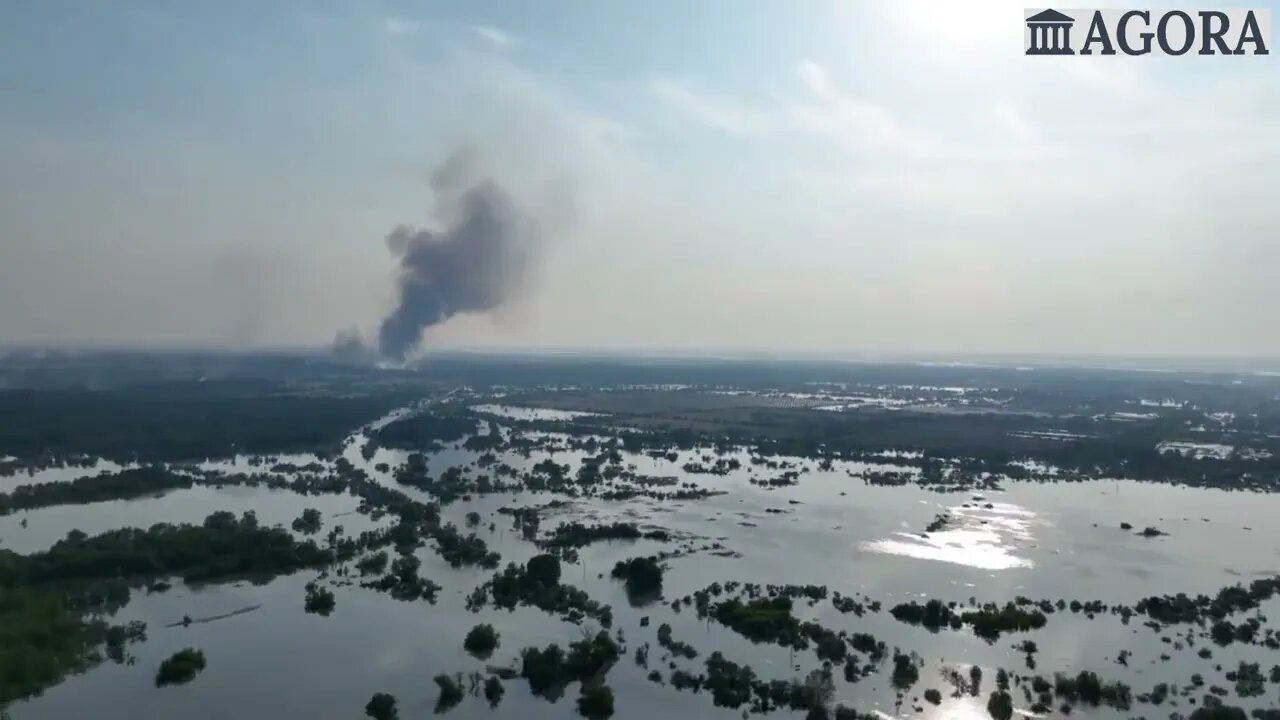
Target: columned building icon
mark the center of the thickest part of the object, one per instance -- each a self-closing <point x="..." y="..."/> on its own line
<point x="1050" y="33"/>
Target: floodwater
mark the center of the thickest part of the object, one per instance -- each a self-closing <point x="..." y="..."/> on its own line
<point x="518" y="412"/>
<point x="1197" y="450"/>
<point x="58" y="473"/>
<point x="46" y="526"/>
<point x="1043" y="541"/>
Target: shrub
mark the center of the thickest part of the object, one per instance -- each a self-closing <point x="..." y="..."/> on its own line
<point x="181" y="667"/>
<point x="481" y="641"/>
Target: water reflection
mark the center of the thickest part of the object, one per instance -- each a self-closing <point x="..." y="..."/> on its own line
<point x="61" y="473"/>
<point x="516" y="412"/>
<point x="1066" y="537"/>
<point x="36" y="530"/>
<point x="978" y="536"/>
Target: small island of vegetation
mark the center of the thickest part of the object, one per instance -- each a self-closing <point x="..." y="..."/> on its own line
<point x="481" y="641"/>
<point x="181" y="667"/>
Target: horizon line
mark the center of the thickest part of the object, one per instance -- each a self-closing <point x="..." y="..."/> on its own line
<point x="1224" y="362"/>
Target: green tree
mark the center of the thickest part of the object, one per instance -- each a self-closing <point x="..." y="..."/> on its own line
<point x="643" y="577"/>
<point x="905" y="672"/>
<point x="543" y="570"/>
<point x="1000" y="705"/>
<point x="1219" y="712"/>
<point x="181" y="667"/>
<point x="319" y="600"/>
<point x="481" y="641"/>
<point x="596" y="701"/>
<point x="308" y="523"/>
<point x="450" y="692"/>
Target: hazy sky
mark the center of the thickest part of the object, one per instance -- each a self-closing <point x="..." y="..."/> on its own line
<point x="791" y="176"/>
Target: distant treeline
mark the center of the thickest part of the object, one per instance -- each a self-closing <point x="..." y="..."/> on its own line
<point x="182" y="421"/>
<point x="969" y="444"/>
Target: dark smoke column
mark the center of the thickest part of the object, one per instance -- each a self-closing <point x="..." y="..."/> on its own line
<point x="476" y="263"/>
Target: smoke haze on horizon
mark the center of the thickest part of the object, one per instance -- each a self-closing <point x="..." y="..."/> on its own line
<point x="835" y="177"/>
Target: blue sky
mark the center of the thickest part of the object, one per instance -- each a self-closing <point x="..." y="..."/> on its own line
<point x="820" y="176"/>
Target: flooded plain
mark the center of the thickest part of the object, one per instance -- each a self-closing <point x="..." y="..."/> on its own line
<point x="831" y="527"/>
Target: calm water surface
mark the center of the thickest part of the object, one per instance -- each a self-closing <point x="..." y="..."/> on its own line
<point x="1039" y="540"/>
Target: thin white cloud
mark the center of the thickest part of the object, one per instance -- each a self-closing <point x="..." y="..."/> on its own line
<point x="494" y="36"/>
<point x="1012" y="122"/>
<point x="847" y="121"/>
<point x="945" y="29"/>
<point x="722" y="113"/>
<point x="815" y="78"/>
<point x="400" y="26"/>
<point x="823" y="111"/>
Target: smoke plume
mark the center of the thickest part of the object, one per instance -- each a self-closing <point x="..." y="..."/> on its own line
<point x="477" y="260"/>
<point x="349" y="347"/>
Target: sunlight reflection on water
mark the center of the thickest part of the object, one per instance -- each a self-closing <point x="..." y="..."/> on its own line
<point x="517" y="412"/>
<point x="977" y="536"/>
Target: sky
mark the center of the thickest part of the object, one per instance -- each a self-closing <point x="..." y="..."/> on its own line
<point x="791" y="177"/>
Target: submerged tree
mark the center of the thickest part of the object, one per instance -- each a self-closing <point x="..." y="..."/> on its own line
<point x="596" y="701"/>
<point x="905" y="672"/>
<point x="319" y="600"/>
<point x="450" y="692"/>
<point x="493" y="691"/>
<point x="543" y="570"/>
<point x="643" y="577"/>
<point x="481" y="641"/>
<point x="308" y="523"/>
<point x="180" y="668"/>
<point x="1000" y="705"/>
